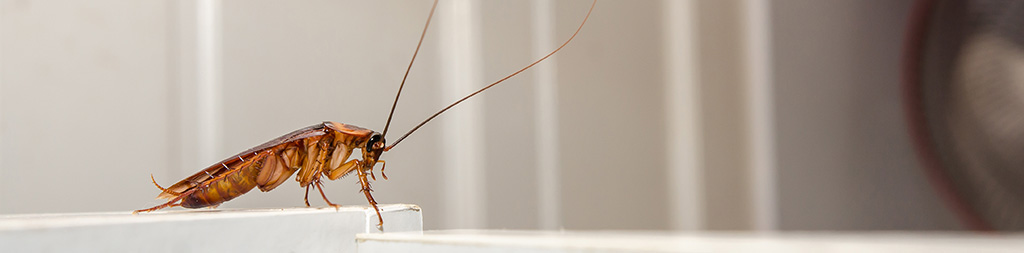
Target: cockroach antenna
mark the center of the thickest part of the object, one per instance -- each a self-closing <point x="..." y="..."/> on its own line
<point x="485" y="87"/>
<point x="407" y="69"/>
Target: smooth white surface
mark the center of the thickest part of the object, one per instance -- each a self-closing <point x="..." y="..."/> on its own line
<point x="552" y="241"/>
<point x="243" y="230"/>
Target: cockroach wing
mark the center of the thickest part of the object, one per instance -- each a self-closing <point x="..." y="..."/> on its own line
<point x="231" y="163"/>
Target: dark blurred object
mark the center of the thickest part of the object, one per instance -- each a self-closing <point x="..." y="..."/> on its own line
<point x="964" y="97"/>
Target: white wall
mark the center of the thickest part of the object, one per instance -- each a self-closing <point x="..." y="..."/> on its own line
<point x="96" y="96"/>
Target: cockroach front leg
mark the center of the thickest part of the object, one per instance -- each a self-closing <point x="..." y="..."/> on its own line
<point x="347" y="167"/>
<point x="369" y="197"/>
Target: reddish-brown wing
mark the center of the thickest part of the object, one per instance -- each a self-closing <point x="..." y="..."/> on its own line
<point x="231" y="163"/>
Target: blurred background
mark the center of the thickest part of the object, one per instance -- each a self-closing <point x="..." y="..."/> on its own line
<point x="664" y="115"/>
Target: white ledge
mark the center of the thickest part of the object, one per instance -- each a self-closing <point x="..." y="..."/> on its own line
<point x="484" y="241"/>
<point x="205" y="230"/>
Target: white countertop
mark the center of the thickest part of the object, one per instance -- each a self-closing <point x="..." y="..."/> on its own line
<point x="203" y="230"/>
<point x="612" y="241"/>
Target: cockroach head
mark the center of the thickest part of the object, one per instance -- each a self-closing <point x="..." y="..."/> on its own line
<point x="376" y="143"/>
<point x="374" y="148"/>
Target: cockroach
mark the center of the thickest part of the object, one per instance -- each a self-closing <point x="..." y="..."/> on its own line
<point x="315" y="151"/>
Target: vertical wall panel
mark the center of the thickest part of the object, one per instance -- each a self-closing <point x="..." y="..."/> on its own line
<point x="683" y="131"/>
<point x="549" y="196"/>
<point x="758" y="100"/>
<point x="611" y="117"/>
<point x="461" y="60"/>
<point x="183" y="94"/>
<point x="723" y="114"/>
<point x="509" y="115"/>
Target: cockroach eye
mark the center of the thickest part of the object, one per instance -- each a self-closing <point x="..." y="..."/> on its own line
<point x="376" y="142"/>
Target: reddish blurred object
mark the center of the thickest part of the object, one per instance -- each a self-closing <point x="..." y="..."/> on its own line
<point x="963" y="88"/>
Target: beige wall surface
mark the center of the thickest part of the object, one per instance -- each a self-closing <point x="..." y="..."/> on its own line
<point x="95" y="97"/>
<point x="83" y="104"/>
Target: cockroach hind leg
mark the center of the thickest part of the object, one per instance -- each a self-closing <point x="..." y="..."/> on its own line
<point x="165" y="205"/>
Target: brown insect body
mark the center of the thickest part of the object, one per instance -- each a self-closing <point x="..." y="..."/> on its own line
<point x="315" y="151"/>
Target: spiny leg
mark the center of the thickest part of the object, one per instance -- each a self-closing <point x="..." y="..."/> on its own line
<point x="334" y="174"/>
<point x="307" y="196"/>
<point x="320" y="187"/>
<point x="355" y="165"/>
<point x="369" y="198"/>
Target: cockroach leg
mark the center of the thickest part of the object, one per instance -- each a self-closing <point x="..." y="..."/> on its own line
<point x="155" y="208"/>
<point x="320" y="187"/>
<point x="170" y="203"/>
<point x="307" y="196"/>
<point x="369" y="198"/>
<point x="345" y="168"/>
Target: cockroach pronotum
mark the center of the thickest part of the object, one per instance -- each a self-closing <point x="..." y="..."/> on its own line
<point x="315" y="151"/>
